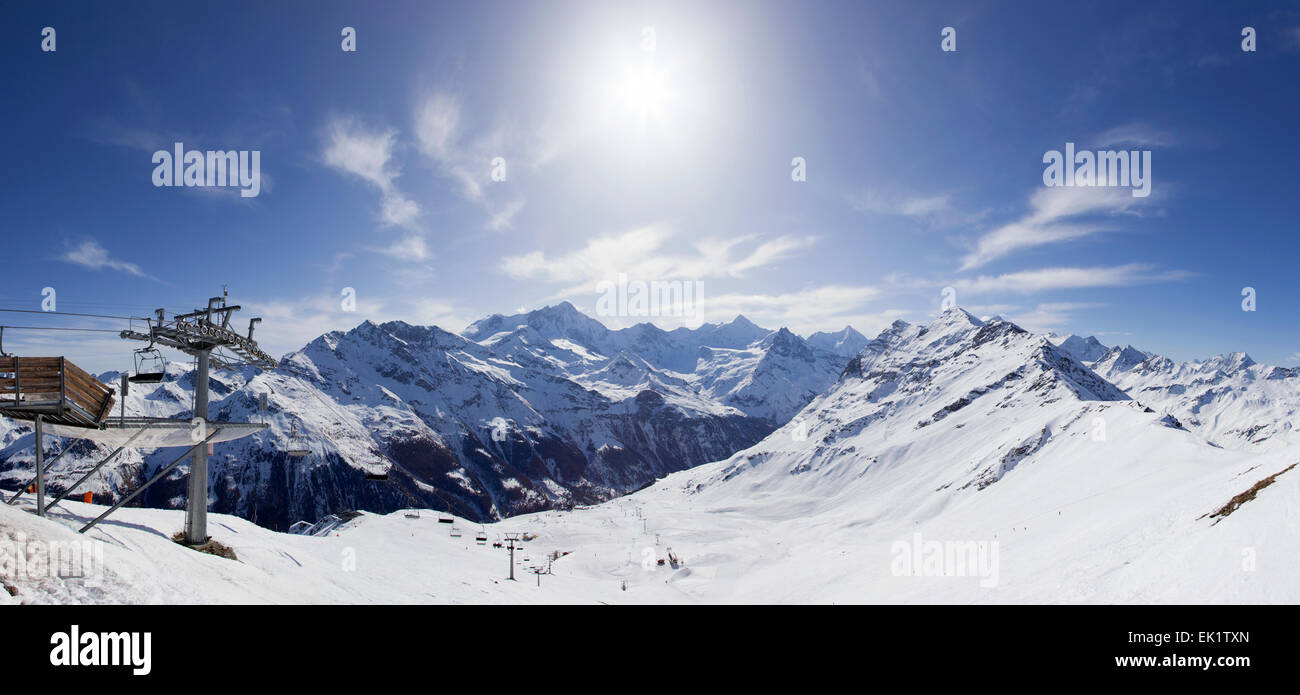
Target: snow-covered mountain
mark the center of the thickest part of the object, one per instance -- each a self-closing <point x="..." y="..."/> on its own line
<point x="1014" y="470"/>
<point x="542" y="410"/>
<point x="1118" y="360"/>
<point x="1228" y="399"/>
<point x="847" y="341"/>
<point x="963" y="431"/>
<point x="1087" y="349"/>
<point x="762" y="373"/>
<point x="973" y="400"/>
<point x="772" y="379"/>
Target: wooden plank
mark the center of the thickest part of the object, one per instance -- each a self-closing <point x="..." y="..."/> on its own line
<point x="74" y="370"/>
<point x="42" y="384"/>
<point x="36" y="363"/>
<point x="39" y="372"/>
<point x="24" y="380"/>
<point x="91" y="401"/>
<point x="87" y="383"/>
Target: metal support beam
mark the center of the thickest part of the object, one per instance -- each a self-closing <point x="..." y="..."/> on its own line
<point x="511" y="538"/>
<point x="48" y="464"/>
<point x="92" y="471"/>
<point x="40" y="467"/>
<point x="196" y="504"/>
<point x="201" y="445"/>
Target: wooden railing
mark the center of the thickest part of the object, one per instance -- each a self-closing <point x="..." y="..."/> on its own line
<point x="38" y="382"/>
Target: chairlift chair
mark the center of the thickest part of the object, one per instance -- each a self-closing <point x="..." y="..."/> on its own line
<point x="481" y="536"/>
<point x="297" y="449"/>
<point x="150" y="366"/>
<point x="445" y="518"/>
<point x="455" y="531"/>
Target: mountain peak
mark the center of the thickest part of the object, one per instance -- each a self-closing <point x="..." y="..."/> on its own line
<point x="847" y="341"/>
<point x="957" y="316"/>
<point x="564" y="308"/>
<point x="741" y="321"/>
<point x="783" y="341"/>
<point x="1083" y="349"/>
<point x="552" y="321"/>
<point x="951" y="323"/>
<point x="1230" y="362"/>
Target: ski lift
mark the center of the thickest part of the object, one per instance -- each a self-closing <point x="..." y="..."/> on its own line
<point x="445" y="518"/>
<point x="379" y="475"/>
<point x="481" y="536"/>
<point x="150" y="366"/>
<point x="413" y="514"/>
<point x="297" y="449"/>
<point x="455" y="531"/>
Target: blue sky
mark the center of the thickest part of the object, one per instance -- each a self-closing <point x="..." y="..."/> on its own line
<point x="924" y="168"/>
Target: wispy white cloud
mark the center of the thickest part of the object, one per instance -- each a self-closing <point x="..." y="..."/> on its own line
<point x="986" y="311"/>
<point x="368" y="155"/>
<point x="441" y="138"/>
<point x="1045" y="317"/>
<point x="1045" y="279"/>
<point x="827" y="308"/>
<point x="89" y="254"/>
<point x="1049" y="316"/>
<point x="503" y="218"/>
<point x="1135" y="134"/>
<point x="904" y="206"/>
<point x="658" y="253"/>
<point x="1049" y="220"/>
<point x="291" y="323"/>
<point x="409" y="248"/>
<point x="654" y="252"/>
<point x="336" y="262"/>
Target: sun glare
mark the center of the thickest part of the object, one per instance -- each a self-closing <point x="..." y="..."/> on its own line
<point x="644" y="95"/>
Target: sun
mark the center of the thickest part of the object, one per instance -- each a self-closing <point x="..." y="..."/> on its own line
<point x="645" y="95"/>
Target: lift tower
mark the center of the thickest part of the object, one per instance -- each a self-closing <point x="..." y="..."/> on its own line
<point x="202" y="333"/>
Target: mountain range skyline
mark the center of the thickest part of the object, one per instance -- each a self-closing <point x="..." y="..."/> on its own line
<point x="1079" y="345"/>
<point x="552" y="408"/>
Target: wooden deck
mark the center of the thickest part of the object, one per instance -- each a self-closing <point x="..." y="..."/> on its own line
<point x="53" y="388"/>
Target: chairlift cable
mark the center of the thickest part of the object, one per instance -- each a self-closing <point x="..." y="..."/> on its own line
<point x="74" y="313"/>
<point x="60" y="328"/>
